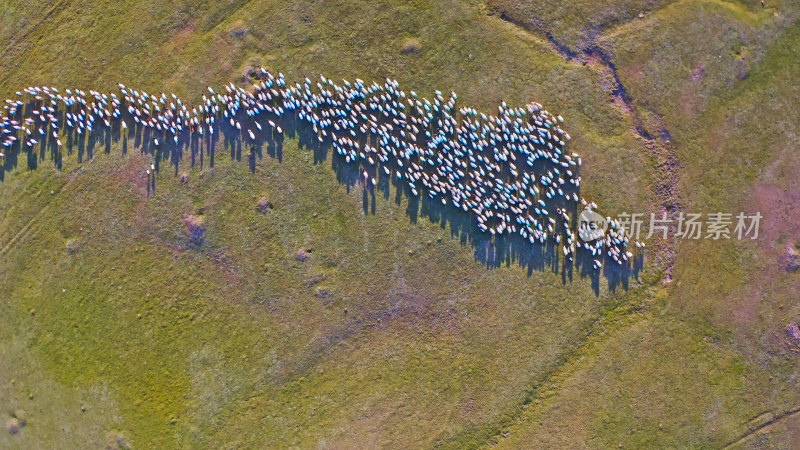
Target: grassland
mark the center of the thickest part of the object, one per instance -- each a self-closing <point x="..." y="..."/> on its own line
<point x="116" y="329"/>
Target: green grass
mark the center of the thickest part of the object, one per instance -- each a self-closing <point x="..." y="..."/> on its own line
<point x="238" y="321"/>
<point x="366" y="344"/>
<point x="710" y="361"/>
<point x="574" y="24"/>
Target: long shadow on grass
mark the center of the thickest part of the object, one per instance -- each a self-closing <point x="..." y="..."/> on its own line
<point x="200" y="147"/>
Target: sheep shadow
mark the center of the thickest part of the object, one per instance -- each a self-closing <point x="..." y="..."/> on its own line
<point x="252" y="137"/>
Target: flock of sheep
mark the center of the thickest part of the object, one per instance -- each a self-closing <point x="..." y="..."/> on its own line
<point x="511" y="170"/>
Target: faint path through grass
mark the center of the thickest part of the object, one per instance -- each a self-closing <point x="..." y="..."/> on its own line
<point x="753" y="432"/>
<point x="628" y="309"/>
<point x="666" y="168"/>
<point x="26" y="229"/>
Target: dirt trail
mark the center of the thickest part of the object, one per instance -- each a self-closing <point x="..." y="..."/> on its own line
<point x="26" y="229"/>
<point x="666" y="169"/>
<point x="666" y="199"/>
<point x="764" y="427"/>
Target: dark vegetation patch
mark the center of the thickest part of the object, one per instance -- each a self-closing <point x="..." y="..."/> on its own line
<point x="411" y="45"/>
<point x="73" y="246"/>
<point x="195" y="228"/>
<point x="239" y="30"/>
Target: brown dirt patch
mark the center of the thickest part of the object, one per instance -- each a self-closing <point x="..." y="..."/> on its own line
<point x="781" y="223"/>
<point x="134" y="173"/>
<point x="181" y="37"/>
<point x="698" y="74"/>
<point x="264" y="205"/>
<point x="302" y="255"/>
<point x="195" y="228"/>
<point x="779" y="234"/>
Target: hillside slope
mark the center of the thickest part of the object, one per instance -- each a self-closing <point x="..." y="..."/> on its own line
<point x="116" y="329"/>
